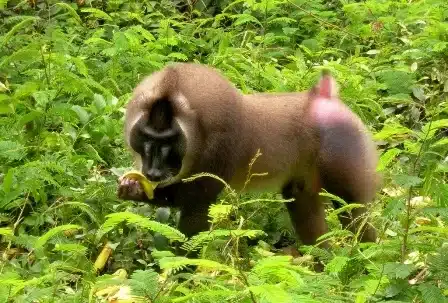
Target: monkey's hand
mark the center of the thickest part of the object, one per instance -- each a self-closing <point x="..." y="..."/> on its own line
<point x="131" y="189"/>
<point x="134" y="186"/>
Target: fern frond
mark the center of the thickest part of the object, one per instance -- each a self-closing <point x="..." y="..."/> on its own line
<point x="203" y="238"/>
<point x="71" y="11"/>
<point x="144" y="283"/>
<point x="271" y="293"/>
<point x="25" y="22"/>
<point x="167" y="231"/>
<point x="11" y="150"/>
<point x="175" y="264"/>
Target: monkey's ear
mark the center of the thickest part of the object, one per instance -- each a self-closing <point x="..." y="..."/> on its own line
<point x="326" y="87"/>
<point x="161" y="115"/>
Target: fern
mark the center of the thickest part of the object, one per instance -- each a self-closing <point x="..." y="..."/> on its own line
<point x="431" y="294"/>
<point x="145" y="283"/>
<point x="71" y="11"/>
<point x="12" y="151"/>
<point x="203" y="238"/>
<point x="114" y="219"/>
<point x="99" y="14"/>
<point x="175" y="264"/>
<point x="67" y="70"/>
<point x="271" y="293"/>
<point x="25" y="22"/>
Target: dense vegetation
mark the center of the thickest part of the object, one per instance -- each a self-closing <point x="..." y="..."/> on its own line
<point x="67" y="70"/>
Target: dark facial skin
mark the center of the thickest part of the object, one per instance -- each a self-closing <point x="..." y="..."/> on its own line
<point x="161" y="151"/>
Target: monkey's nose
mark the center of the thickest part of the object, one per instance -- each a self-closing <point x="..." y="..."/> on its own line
<point x="154" y="175"/>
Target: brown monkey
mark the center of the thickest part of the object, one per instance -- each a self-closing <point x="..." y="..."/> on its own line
<point x="188" y="119"/>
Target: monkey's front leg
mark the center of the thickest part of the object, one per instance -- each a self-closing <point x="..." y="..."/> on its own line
<point x="307" y="213"/>
<point x="193" y="219"/>
<point x="194" y="199"/>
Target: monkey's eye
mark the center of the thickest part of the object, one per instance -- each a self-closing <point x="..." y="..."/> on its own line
<point x="147" y="148"/>
<point x="165" y="149"/>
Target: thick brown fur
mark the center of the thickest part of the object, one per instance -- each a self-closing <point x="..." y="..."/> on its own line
<point x="308" y="140"/>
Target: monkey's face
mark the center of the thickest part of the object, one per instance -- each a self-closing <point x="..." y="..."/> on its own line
<point x="159" y="144"/>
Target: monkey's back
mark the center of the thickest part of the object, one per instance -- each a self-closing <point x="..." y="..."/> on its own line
<point x="278" y="126"/>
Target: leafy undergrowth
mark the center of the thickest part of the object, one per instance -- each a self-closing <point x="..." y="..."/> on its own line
<point x="66" y="71"/>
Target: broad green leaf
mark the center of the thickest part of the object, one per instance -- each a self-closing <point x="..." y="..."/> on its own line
<point x="99" y="102"/>
<point x="83" y="115"/>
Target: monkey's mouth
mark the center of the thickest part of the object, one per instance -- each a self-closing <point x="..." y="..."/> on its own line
<point x="167" y="179"/>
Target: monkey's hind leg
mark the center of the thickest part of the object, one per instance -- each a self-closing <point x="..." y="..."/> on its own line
<point x="348" y="171"/>
<point x="307" y="212"/>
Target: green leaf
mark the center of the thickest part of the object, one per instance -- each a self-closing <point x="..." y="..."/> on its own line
<point x="167" y="231"/>
<point x="83" y="115"/>
<point x="407" y="181"/>
<point x="204" y="237"/>
<point x="6" y="109"/>
<point x="11" y="150"/>
<point x="7" y="180"/>
<point x="3" y="87"/>
<point x="6" y="231"/>
<point x="431" y="294"/>
<point x="271" y="293"/>
<point x="178" y="56"/>
<point x="34" y="115"/>
<point x="178" y="263"/>
<point x="245" y="18"/>
<point x="27" y="21"/>
<point x="397" y="81"/>
<point x="3" y="3"/>
<point x="144" y="283"/>
<point x="70" y="247"/>
<point x="41" y="241"/>
<point x="398" y="270"/>
<point x="392" y="129"/>
<point x="71" y="11"/>
<point x="99" y="102"/>
<point x="337" y="264"/>
<point x="430" y="128"/>
<point x="44" y="97"/>
<point x="388" y="157"/>
<point x="99" y="14"/>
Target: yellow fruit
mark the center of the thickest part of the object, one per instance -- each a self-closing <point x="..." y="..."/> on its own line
<point x="148" y="186"/>
<point x="102" y="258"/>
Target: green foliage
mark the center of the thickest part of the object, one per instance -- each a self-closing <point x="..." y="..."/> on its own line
<point x="114" y="219"/>
<point x="67" y="70"/>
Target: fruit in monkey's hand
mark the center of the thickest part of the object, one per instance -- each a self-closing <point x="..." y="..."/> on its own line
<point x="147" y="185"/>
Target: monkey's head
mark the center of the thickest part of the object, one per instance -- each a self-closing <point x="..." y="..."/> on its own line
<point x="158" y="121"/>
<point x="158" y="143"/>
<point x="174" y="116"/>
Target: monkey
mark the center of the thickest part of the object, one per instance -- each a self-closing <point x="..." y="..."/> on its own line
<point x="187" y="118"/>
